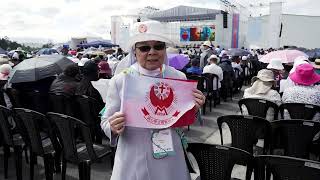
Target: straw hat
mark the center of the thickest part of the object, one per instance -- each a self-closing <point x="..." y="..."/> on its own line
<point x="275" y="64"/>
<point x="207" y="43"/>
<point x="305" y="75"/>
<point x="147" y="31"/>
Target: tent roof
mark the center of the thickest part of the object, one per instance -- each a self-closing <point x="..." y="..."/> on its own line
<point x="185" y="13"/>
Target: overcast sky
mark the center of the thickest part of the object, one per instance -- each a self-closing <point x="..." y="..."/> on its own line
<point x="61" y="19"/>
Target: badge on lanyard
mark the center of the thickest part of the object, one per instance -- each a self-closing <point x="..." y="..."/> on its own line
<point x="162" y="144"/>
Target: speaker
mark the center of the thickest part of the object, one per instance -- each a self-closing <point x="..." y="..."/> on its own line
<point x="225" y="19"/>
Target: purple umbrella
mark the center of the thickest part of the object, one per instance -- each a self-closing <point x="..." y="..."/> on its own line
<point x="177" y="61"/>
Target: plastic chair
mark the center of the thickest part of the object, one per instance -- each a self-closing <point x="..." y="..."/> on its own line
<point x="82" y="154"/>
<point x="216" y="161"/>
<point x="246" y="130"/>
<point x="286" y="168"/>
<point x="293" y="137"/>
<point x="299" y="110"/>
<point x="38" y="101"/>
<point x="259" y="107"/>
<point x="227" y="86"/>
<point x="61" y="103"/>
<point x="200" y="86"/>
<point x="89" y="109"/>
<point x="33" y="122"/>
<point x="214" y="94"/>
<point x="12" y="140"/>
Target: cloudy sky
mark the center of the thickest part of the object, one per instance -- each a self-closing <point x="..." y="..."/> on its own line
<point x="61" y="19"/>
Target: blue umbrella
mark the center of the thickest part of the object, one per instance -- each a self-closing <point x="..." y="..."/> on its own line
<point x="47" y="51"/>
<point x="237" y="52"/>
<point x="97" y="44"/>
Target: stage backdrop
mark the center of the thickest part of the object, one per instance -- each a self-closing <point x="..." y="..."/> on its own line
<point x="198" y="33"/>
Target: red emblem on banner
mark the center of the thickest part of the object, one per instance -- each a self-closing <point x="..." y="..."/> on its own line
<point x="142" y="28"/>
<point x="160" y="109"/>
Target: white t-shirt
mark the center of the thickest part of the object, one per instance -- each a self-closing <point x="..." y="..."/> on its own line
<point x="214" y="69"/>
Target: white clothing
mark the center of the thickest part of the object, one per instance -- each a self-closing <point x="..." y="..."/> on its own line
<point x="214" y="69"/>
<point x="134" y="159"/>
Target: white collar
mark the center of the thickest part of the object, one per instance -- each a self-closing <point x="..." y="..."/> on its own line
<point x="144" y="71"/>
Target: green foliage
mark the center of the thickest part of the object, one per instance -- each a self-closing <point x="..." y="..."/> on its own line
<point x="7" y="44"/>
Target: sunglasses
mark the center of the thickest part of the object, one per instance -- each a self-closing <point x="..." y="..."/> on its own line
<point x="147" y="48"/>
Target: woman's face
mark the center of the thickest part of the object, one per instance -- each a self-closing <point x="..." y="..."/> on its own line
<point x="150" y="54"/>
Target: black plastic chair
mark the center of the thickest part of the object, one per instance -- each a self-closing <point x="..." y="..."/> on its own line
<point x="35" y="123"/>
<point x="216" y="161"/>
<point x="259" y="107"/>
<point x="227" y="86"/>
<point x="246" y="130"/>
<point x="286" y="168"/>
<point x="214" y="94"/>
<point x="61" y="103"/>
<point x="82" y="154"/>
<point x="201" y="86"/>
<point x="12" y="140"/>
<point x="39" y="101"/>
<point x="299" y="110"/>
<point x="293" y="137"/>
<point x="89" y="109"/>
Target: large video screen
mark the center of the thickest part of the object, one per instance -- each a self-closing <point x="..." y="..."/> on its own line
<point x="198" y="33"/>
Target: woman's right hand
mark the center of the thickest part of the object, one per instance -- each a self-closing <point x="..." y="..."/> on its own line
<point x="117" y="121"/>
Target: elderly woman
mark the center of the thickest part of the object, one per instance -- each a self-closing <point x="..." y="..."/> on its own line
<point x="134" y="158"/>
<point x="262" y="89"/>
<point x="304" y="89"/>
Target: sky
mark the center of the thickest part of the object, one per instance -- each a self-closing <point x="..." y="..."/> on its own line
<point x="59" y="20"/>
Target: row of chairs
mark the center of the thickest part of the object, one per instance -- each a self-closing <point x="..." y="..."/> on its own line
<point x="49" y="136"/>
<point x="294" y="138"/>
<point x="82" y="107"/>
<point x="217" y="162"/>
<point x="205" y="85"/>
<point x="260" y="107"/>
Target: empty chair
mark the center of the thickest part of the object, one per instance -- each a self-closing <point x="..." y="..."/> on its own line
<point x="246" y="130"/>
<point x="299" y="110"/>
<point x="286" y="168"/>
<point x="82" y="154"/>
<point x="35" y="123"/>
<point x="259" y="107"/>
<point x="293" y="137"/>
<point x="216" y="161"/>
<point x="12" y="140"/>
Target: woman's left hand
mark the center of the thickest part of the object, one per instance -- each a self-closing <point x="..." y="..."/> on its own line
<point x="199" y="98"/>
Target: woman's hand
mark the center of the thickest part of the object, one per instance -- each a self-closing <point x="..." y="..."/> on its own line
<point x="199" y="98"/>
<point x="117" y="121"/>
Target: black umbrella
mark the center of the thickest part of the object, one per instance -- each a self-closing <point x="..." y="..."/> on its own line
<point x="38" y="68"/>
<point x="237" y="52"/>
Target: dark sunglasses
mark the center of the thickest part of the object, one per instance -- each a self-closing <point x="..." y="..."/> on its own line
<point x="147" y="48"/>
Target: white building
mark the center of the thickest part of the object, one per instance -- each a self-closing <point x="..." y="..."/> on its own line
<point x="234" y="29"/>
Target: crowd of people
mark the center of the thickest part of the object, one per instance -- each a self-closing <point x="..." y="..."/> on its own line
<point x="276" y="81"/>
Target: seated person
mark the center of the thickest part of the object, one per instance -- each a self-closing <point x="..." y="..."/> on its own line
<point x="213" y="68"/>
<point x="262" y="89"/>
<point x="304" y="89"/>
<point x="66" y="83"/>
<point x="195" y="68"/>
<point x="104" y="70"/>
<point x="90" y="73"/>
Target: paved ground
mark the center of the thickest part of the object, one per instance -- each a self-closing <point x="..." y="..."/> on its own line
<point x="208" y="133"/>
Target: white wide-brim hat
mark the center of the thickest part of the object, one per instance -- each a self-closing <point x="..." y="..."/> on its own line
<point x="275" y="64"/>
<point x="147" y="31"/>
